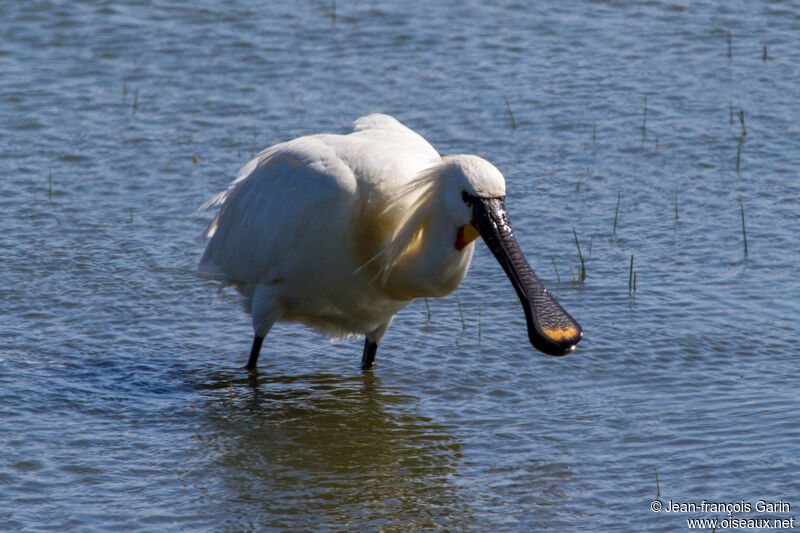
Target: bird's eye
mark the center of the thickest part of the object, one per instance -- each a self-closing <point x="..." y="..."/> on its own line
<point x="466" y="197"/>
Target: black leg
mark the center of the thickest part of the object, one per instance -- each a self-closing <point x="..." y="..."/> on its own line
<point x="369" y="354"/>
<point x="251" y="363"/>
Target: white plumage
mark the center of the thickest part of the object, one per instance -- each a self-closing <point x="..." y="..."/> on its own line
<point x="340" y="232"/>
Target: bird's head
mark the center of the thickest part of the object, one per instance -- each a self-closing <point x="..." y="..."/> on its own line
<point x="474" y="196"/>
<point x="463" y="177"/>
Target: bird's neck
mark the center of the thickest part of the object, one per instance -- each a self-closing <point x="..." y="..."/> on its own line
<point x="432" y="266"/>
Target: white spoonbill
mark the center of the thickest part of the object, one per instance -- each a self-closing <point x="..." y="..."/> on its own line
<point x="340" y="232"/>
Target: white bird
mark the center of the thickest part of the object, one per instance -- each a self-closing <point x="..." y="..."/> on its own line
<point x="340" y="232"/>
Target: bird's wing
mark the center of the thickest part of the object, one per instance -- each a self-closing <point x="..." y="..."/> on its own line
<point x="380" y="122"/>
<point x="298" y="197"/>
<point x="292" y="195"/>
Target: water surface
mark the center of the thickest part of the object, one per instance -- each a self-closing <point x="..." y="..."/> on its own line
<point x="124" y="404"/>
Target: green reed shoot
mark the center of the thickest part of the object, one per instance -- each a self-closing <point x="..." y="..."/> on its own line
<point x="135" y="100"/>
<point x="730" y="47"/>
<point x="744" y="231"/>
<point x="676" y="202"/>
<point x="50" y="187"/>
<point x="428" y="307"/>
<point x="658" y="487"/>
<point x="130" y="220"/>
<point x="553" y="259"/>
<point x="510" y="114"/>
<point x="461" y="312"/>
<point x="741" y="119"/>
<point x="583" y="265"/>
<point x="764" y="55"/>
<point x="644" y="119"/>
<point x="616" y="212"/>
<point x="630" y="278"/>
<point x="479" y="322"/>
<point x="730" y="112"/>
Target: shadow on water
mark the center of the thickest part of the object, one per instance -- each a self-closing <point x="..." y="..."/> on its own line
<point x="322" y="451"/>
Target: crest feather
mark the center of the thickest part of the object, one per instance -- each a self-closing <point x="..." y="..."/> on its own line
<point x="426" y="186"/>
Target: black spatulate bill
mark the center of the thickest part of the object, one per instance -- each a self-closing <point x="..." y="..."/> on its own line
<point x="550" y="328"/>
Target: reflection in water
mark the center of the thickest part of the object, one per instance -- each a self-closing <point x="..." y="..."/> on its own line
<point x="331" y="451"/>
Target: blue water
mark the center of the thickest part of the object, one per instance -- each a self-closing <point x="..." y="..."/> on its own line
<point x="123" y="402"/>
